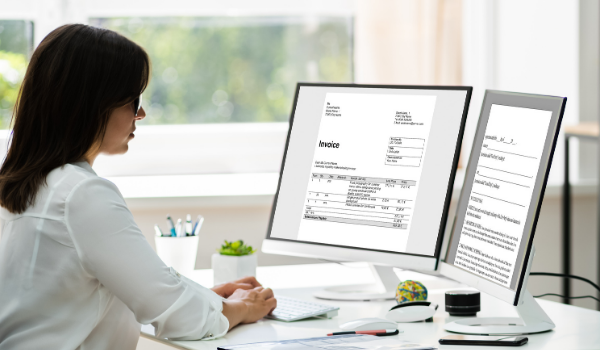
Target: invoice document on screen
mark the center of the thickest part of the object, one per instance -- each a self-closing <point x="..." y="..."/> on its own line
<point x="505" y="177"/>
<point x="366" y="170"/>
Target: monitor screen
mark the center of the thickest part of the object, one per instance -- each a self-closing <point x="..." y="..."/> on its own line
<point x="370" y="167"/>
<point x="503" y="187"/>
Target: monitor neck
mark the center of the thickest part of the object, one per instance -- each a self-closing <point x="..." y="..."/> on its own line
<point x="521" y="296"/>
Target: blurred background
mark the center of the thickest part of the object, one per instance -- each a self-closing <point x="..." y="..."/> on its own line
<point x="224" y="76"/>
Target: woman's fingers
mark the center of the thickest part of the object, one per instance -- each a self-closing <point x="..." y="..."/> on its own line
<point x="272" y="303"/>
<point x="227" y="289"/>
<point x="243" y="285"/>
<point x="267" y="293"/>
<point x="250" y="280"/>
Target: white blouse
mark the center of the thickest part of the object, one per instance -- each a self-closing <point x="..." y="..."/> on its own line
<point x="77" y="273"/>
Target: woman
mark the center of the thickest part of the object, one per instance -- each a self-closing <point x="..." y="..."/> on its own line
<point x="75" y="270"/>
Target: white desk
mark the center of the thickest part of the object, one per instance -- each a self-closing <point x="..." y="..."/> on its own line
<point x="576" y="328"/>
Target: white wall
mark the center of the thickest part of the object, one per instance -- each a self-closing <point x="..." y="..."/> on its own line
<point x="589" y="83"/>
<point x="523" y="46"/>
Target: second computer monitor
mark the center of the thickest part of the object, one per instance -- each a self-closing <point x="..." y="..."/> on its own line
<point x="367" y="173"/>
<point x="491" y="244"/>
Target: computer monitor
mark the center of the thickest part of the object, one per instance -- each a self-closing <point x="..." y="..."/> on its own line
<point x="367" y="175"/>
<point x="491" y="243"/>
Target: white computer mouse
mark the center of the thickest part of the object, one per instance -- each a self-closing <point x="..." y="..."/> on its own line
<point x="368" y="324"/>
<point x="412" y="311"/>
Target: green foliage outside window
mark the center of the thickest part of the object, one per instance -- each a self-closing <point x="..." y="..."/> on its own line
<point x="235" y="69"/>
<point x="15" y="45"/>
<point x="12" y="71"/>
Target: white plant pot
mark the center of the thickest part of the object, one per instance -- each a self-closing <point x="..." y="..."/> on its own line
<point x="228" y="268"/>
<point x="178" y="252"/>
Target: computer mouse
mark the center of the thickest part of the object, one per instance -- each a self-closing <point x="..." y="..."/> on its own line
<point x="368" y="324"/>
<point x="412" y="311"/>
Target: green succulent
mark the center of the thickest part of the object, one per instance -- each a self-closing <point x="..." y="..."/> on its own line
<point x="237" y="248"/>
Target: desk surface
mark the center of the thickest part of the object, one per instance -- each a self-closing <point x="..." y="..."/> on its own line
<point x="576" y="328"/>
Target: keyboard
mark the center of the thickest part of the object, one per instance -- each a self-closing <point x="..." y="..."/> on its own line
<point x="290" y="309"/>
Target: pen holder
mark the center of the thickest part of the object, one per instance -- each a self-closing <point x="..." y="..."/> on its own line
<point x="227" y="268"/>
<point x="178" y="252"/>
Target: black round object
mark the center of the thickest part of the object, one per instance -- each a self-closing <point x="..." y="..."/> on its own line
<point x="463" y="302"/>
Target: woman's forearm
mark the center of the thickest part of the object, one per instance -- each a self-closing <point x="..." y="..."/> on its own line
<point x="235" y="311"/>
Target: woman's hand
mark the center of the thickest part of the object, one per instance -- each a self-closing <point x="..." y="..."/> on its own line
<point x="247" y="306"/>
<point x="226" y="289"/>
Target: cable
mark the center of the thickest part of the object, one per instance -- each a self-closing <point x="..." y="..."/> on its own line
<point x="562" y="296"/>
<point x="565" y="275"/>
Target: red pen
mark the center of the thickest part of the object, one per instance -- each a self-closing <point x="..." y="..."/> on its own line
<point x="379" y="332"/>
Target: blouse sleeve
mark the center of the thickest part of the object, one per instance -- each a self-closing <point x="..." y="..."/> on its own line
<point x="113" y="249"/>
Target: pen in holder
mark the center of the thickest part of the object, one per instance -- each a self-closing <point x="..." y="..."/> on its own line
<point x="177" y="248"/>
<point x="178" y="252"/>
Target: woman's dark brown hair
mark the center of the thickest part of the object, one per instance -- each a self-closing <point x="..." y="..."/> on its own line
<point x="76" y="77"/>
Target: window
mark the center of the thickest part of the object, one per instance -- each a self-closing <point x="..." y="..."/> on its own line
<point x="224" y="74"/>
<point x="16" y="43"/>
<point x="235" y="69"/>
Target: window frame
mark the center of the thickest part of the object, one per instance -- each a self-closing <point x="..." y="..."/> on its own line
<point x="266" y="139"/>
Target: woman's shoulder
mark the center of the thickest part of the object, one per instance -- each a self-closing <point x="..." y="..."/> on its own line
<point x="61" y="185"/>
<point x="81" y="176"/>
<point x="64" y="182"/>
<point x="67" y="177"/>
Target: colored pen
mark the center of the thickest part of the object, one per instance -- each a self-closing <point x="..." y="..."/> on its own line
<point x="178" y="228"/>
<point x="198" y="226"/>
<point x="158" y="231"/>
<point x="379" y="332"/>
<point x="188" y="225"/>
<point x="171" y="226"/>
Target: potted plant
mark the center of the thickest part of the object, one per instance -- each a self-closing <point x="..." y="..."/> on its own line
<point x="233" y="261"/>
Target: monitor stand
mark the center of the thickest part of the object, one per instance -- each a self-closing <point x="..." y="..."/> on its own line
<point x="384" y="287"/>
<point x="532" y="318"/>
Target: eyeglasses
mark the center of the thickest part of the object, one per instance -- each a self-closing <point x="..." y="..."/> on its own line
<point x="137" y="104"/>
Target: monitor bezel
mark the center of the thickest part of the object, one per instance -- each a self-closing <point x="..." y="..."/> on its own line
<point x="449" y="270"/>
<point x="297" y="248"/>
